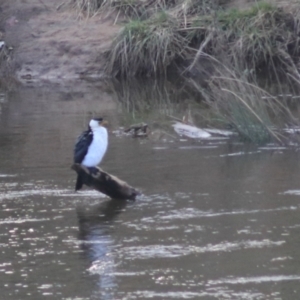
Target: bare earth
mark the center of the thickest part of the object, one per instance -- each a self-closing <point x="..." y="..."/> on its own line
<point x="54" y="44"/>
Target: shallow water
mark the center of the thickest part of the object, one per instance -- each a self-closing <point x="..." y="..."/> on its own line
<point x="217" y="219"/>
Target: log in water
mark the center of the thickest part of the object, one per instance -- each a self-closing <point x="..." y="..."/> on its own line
<point x="105" y="183"/>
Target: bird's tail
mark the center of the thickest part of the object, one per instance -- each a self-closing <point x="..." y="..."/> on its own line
<point x="79" y="183"/>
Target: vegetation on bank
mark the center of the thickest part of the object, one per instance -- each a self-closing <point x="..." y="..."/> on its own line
<point x="261" y="38"/>
<point x="147" y="47"/>
<point x="209" y="39"/>
<point x="158" y="35"/>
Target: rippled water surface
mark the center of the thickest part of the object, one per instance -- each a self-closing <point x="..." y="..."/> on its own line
<point x="217" y="219"/>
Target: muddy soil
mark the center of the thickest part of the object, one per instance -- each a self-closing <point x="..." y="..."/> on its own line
<point x="53" y="42"/>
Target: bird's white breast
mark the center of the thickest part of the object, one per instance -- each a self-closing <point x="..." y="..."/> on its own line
<point x="97" y="148"/>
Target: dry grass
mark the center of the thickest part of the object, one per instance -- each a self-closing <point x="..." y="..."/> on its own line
<point x="90" y="7"/>
<point x="147" y="47"/>
<point x="261" y="38"/>
<point x="125" y="8"/>
<point x="237" y="100"/>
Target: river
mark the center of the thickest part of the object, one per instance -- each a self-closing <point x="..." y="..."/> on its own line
<point x="218" y="219"/>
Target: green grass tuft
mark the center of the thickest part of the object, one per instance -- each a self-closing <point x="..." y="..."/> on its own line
<point x="231" y="16"/>
<point x="146" y="47"/>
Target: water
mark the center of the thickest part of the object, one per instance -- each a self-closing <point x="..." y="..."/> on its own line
<point x="217" y="219"/>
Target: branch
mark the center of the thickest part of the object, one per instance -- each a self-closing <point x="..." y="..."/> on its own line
<point x="105" y="183"/>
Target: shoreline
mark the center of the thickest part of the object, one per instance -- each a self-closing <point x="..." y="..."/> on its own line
<point x="54" y="42"/>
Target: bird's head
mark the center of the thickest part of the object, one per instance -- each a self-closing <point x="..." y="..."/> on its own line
<point x="97" y="122"/>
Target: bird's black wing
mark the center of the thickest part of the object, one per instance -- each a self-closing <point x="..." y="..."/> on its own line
<point x="82" y="146"/>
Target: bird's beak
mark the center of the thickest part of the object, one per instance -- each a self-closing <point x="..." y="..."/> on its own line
<point x="103" y="123"/>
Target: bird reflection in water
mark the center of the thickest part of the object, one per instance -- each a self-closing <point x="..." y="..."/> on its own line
<point x="96" y="226"/>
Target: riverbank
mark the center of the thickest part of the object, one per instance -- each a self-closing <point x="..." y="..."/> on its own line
<point x="57" y="41"/>
<point x="49" y="41"/>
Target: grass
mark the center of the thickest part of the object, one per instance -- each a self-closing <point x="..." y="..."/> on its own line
<point x="261" y="38"/>
<point x="239" y="102"/>
<point x="90" y="7"/>
<point x="125" y="8"/>
<point x="146" y="47"/>
<point x="229" y="17"/>
<point x="159" y="34"/>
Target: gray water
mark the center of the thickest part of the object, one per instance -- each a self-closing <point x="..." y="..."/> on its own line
<point x="217" y="219"/>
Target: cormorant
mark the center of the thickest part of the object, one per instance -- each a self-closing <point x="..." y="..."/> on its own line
<point x="91" y="146"/>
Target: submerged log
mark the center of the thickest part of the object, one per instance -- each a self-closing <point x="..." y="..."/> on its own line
<point x="105" y="183"/>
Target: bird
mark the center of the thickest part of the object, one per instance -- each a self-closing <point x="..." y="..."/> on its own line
<point x="91" y="146"/>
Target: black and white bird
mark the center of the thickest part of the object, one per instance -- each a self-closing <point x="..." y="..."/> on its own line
<point x="91" y="146"/>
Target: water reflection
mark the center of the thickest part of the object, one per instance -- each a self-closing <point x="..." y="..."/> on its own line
<point x="95" y="236"/>
<point x="157" y="101"/>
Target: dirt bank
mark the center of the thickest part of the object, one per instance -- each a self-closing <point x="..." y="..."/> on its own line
<point x="51" y="42"/>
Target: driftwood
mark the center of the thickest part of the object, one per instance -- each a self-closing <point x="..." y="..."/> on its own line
<point x="138" y="130"/>
<point x="105" y="183"/>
